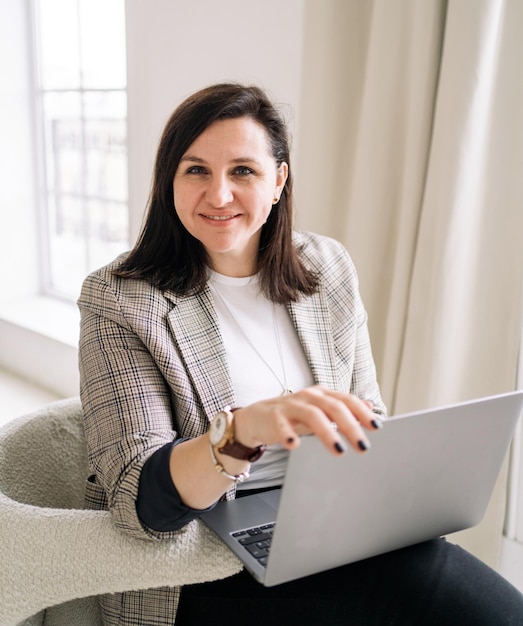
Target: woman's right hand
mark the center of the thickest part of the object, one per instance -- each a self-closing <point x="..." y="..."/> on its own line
<point x="327" y="414"/>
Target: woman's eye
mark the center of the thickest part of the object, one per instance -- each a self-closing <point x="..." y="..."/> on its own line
<point x="196" y="169"/>
<point x="243" y="170"/>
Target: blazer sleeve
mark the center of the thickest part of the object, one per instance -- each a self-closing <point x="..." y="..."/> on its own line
<point x="127" y="405"/>
<point x="364" y="383"/>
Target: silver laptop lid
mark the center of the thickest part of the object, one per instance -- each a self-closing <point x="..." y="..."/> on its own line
<point x="428" y="474"/>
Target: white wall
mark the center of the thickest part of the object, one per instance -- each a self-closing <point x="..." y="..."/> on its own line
<point x="175" y="48"/>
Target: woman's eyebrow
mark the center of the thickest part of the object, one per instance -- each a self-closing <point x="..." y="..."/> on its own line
<point x="245" y="159"/>
<point x="192" y="158"/>
<point x="242" y="159"/>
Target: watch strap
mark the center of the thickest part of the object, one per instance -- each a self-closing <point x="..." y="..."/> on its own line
<point x="230" y="447"/>
<point x="238" y="451"/>
<point x="238" y="478"/>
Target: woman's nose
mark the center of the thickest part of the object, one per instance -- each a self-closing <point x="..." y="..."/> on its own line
<point x="219" y="192"/>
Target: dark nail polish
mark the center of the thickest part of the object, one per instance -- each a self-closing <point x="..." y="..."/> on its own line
<point x="339" y="447"/>
<point x="377" y="423"/>
<point x="362" y="445"/>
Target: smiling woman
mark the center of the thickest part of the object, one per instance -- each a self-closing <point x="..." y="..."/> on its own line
<point x="222" y="304"/>
<point x="224" y="190"/>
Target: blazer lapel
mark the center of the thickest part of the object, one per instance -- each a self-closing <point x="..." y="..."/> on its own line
<point x="196" y="331"/>
<point x="312" y="321"/>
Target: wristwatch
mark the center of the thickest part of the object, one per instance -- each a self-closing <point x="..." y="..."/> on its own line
<point x="221" y="434"/>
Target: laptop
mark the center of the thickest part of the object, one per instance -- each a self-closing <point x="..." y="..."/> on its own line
<point x="427" y="474"/>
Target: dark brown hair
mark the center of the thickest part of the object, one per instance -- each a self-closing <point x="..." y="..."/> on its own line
<point x="166" y="254"/>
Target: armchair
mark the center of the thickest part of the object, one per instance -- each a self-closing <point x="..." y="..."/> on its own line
<point x="56" y="556"/>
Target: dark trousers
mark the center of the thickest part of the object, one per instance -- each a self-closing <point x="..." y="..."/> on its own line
<point x="433" y="583"/>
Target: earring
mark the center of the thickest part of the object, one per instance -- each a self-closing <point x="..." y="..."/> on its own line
<point x="276" y="200"/>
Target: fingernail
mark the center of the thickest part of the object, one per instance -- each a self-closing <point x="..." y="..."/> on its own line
<point x="377" y="423"/>
<point x="363" y="445"/>
<point x="339" y="447"/>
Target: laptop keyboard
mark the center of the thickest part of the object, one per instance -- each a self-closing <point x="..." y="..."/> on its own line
<point x="257" y="541"/>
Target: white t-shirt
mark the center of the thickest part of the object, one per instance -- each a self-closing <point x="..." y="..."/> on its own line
<point x="264" y="357"/>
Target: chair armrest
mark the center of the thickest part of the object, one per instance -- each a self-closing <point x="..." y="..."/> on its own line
<point x="43" y="547"/>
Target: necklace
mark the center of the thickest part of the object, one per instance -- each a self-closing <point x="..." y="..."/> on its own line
<point x="285" y="387"/>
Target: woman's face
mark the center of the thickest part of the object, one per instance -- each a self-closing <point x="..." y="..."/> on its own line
<point x="224" y="189"/>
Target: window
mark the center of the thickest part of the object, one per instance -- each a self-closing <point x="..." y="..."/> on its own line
<point x="81" y="110"/>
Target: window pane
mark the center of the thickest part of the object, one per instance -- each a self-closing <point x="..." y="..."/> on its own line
<point x="102" y="29"/>
<point x="59" y="49"/>
<point x="82" y="43"/>
<point x="88" y="223"/>
<point x="61" y="117"/>
<point x="67" y="243"/>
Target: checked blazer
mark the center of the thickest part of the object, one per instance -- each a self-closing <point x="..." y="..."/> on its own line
<point x="153" y="368"/>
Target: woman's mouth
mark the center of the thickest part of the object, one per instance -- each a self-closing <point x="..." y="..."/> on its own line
<point x="219" y="218"/>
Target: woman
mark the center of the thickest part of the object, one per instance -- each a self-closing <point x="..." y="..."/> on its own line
<point x="221" y="304"/>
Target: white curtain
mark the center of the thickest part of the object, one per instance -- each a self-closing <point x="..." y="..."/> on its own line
<point x="411" y="152"/>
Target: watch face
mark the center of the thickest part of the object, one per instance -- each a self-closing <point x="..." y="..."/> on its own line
<point x="218" y="428"/>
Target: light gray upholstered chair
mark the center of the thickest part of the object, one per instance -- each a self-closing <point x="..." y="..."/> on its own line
<point x="55" y="556"/>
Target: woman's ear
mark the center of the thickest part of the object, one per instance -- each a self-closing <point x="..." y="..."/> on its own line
<point x="281" y="178"/>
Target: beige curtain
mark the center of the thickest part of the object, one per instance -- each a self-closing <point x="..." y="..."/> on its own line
<point x="411" y="152"/>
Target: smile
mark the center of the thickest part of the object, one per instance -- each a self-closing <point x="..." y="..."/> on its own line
<point x="220" y="218"/>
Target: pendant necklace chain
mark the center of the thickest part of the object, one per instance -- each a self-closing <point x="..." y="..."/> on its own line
<point x="285" y="388"/>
